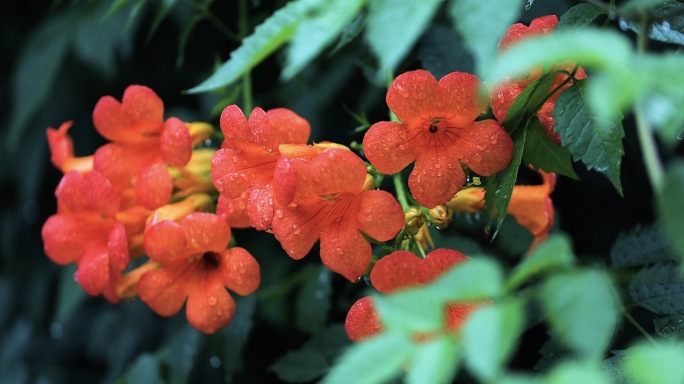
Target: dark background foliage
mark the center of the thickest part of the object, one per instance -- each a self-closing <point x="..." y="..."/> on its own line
<point x="60" y="57"/>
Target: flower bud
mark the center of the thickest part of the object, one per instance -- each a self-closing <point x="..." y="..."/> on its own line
<point x="441" y="215"/>
<point x="369" y="184"/>
<point x="413" y="220"/>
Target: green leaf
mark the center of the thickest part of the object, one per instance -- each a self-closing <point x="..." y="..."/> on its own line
<point x="589" y="137"/>
<point x="670" y="206"/>
<point x="304" y="364"/>
<point x="579" y="16"/>
<point x="544" y="154"/>
<point x="499" y="187"/>
<point x="313" y="301"/>
<point x="490" y="335"/>
<point x="317" y="31"/>
<point x="640" y="5"/>
<point x="375" y="360"/>
<point x="234" y="337"/>
<point x="656" y="364"/>
<point x="479" y="278"/>
<point x="554" y="253"/>
<point x="528" y="102"/>
<point x="145" y="369"/>
<point x="642" y="245"/>
<point x="163" y="9"/>
<point x="434" y="361"/>
<point x="330" y="341"/>
<point x="393" y="27"/>
<point x="614" y="366"/>
<point x="70" y="294"/>
<point x="667" y="20"/>
<point x="266" y="39"/>
<point x="582" y="310"/>
<point x="573" y="372"/>
<point x="179" y="355"/>
<point x="659" y="288"/>
<point x="482" y="23"/>
<point x="591" y="48"/>
<point x="670" y="327"/>
<point x="441" y="51"/>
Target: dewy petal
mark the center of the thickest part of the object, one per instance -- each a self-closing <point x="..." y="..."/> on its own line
<point x="205" y="232"/>
<point x="117" y="244"/>
<point x="61" y="145"/>
<point x="458" y="99"/>
<point x="398" y="270"/>
<point x="486" y="148"/>
<point x="385" y="146"/>
<point x="176" y="143"/>
<point x="91" y="192"/>
<point x="298" y="228"/>
<point x="234" y="170"/>
<point x="290" y="128"/>
<point x="165" y="290"/>
<point x="344" y="250"/>
<point x="120" y="164"/>
<point x="153" y="186"/>
<point x="436" y="177"/>
<point x="502" y="97"/>
<point x="337" y="170"/>
<point x="539" y="26"/>
<point x="438" y="262"/>
<point x="139" y="115"/>
<point x="234" y="126"/>
<point x="411" y="96"/>
<point x="234" y="211"/>
<point x="379" y="215"/>
<point x="262" y="130"/>
<point x="62" y="239"/>
<point x="362" y="320"/>
<point x="240" y="271"/>
<point x="210" y="306"/>
<point x="165" y="243"/>
<point x="93" y="270"/>
<point x="260" y="207"/>
<point x="285" y="180"/>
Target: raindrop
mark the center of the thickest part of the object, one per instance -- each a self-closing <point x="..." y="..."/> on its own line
<point x="339" y="251"/>
<point x="402" y="147"/>
<point x="437" y="165"/>
<point x="296" y="230"/>
<point x="235" y="159"/>
<point x="270" y="201"/>
<point x="279" y="213"/>
<point x="369" y="218"/>
<point x="493" y="139"/>
<point x="481" y="147"/>
<point x="623" y="24"/>
<point x="477" y="158"/>
<point x="500" y="97"/>
<point x="666" y="26"/>
<point x="212" y="300"/>
<point x="403" y="92"/>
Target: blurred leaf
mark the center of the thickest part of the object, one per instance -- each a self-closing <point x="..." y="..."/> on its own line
<point x="479" y="278"/>
<point x="317" y="31"/>
<point x="667" y="20"/>
<point x="266" y="39"/>
<point x="499" y="187"/>
<point x="554" y="253"/>
<point x="573" y="372"/>
<point x="350" y="32"/>
<point x="235" y="335"/>
<point x="179" y="355"/>
<point x="579" y="16"/>
<point x="375" y="360"/>
<point x="659" y="288"/>
<point x="394" y="26"/>
<point x="313" y="301"/>
<point x="642" y="245"/>
<point x="640" y="5"/>
<point x="582" y="310"/>
<point x="301" y="365"/>
<point x="69" y="294"/>
<point x="411" y="311"/>
<point x="145" y="369"/>
<point x="482" y="23"/>
<point x="552" y="352"/>
<point x="614" y="366"/>
<point x="441" y="51"/>
<point x="434" y="361"/>
<point x="528" y="102"/>
<point x="490" y="335"/>
<point x="670" y="206"/>
<point x="544" y="154"/>
<point x="656" y="364"/>
<point x="670" y="327"/>
<point x="163" y="9"/>
<point x="590" y="138"/>
<point x="329" y="342"/>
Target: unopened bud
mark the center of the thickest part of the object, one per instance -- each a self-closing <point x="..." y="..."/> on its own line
<point x="441" y="215"/>
<point x="413" y="220"/>
<point x="369" y="184"/>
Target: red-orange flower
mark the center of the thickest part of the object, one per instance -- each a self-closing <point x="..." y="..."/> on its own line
<point x="85" y="231"/>
<point x="62" y="150"/>
<point x="195" y="265"/>
<point x="142" y="144"/>
<point x="247" y="158"/>
<point x="401" y="270"/>
<point x="439" y="132"/>
<point x="323" y="198"/>
<point x="505" y="93"/>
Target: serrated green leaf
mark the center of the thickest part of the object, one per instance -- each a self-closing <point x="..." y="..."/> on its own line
<point x="579" y="16"/>
<point x="553" y="253"/>
<point x="435" y="361"/>
<point x="589" y="47"/>
<point x="317" y="31"/>
<point x="499" y="187"/>
<point x="375" y="360"/>
<point x="266" y="39"/>
<point x="544" y="154"/>
<point x="482" y="23"/>
<point x="589" y="137"/>
<point x="393" y="27"/>
<point x="670" y="327"/>
<point x="302" y="365"/>
<point x="490" y="335"/>
<point x="642" y="245"/>
<point x="656" y="364"/>
<point x="582" y="310"/>
<point x="573" y="372"/>
<point x="145" y="369"/>
<point x="179" y="355"/>
<point x="313" y="301"/>
<point x="528" y="102"/>
<point x="659" y="288"/>
<point x="670" y="206"/>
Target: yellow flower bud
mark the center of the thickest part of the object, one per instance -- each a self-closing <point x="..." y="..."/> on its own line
<point x="441" y="215"/>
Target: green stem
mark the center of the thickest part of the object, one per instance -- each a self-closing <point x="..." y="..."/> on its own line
<point x="247" y="103"/>
<point x="401" y="192"/>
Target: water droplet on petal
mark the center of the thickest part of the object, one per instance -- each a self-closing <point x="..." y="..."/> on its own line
<point x="270" y="201"/>
<point x="402" y="147"/>
<point x="296" y="230"/>
<point x="500" y="97"/>
<point x="403" y="92"/>
<point x="279" y="213"/>
<point x="493" y="139"/>
<point x="235" y="159"/>
<point x="339" y="251"/>
<point x="477" y="158"/>
<point x="437" y="165"/>
<point x="481" y="147"/>
<point x="212" y="300"/>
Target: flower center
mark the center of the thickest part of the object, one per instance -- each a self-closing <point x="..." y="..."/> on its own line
<point x="211" y="260"/>
<point x="434" y="124"/>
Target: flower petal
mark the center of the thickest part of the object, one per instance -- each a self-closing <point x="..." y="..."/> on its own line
<point x="234" y="126"/>
<point x="519" y="31"/>
<point x="337" y="170"/>
<point x="240" y="271"/>
<point x="62" y="239"/>
<point x="438" y="262"/>
<point x="411" y="96"/>
<point x="436" y="177"/>
<point x="234" y="211"/>
<point x="164" y="290"/>
<point x="458" y="99"/>
<point x="385" y="146"/>
<point x="120" y="164"/>
<point x="210" y="306"/>
<point x="260" y="207"/>
<point x="457" y="314"/>
<point x="362" y="320"/>
<point x="396" y="271"/>
<point x="61" y="145"/>
<point x="233" y="171"/>
<point x="176" y="143"/>
<point x="135" y="119"/>
<point x="290" y="128"/>
<point x="502" y="97"/>
<point x="379" y="215"/>
<point x="205" y="232"/>
<point x="91" y="192"/>
<point x="165" y="243"/>
<point x="298" y="228"/>
<point x="93" y="273"/>
<point x="344" y="250"/>
<point x="486" y="148"/>
<point x="153" y="186"/>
